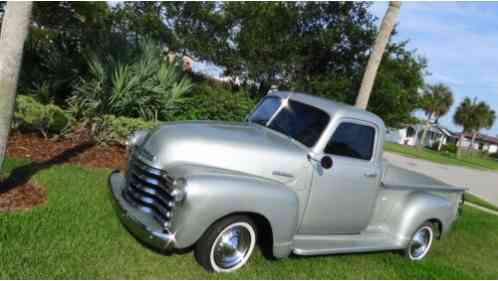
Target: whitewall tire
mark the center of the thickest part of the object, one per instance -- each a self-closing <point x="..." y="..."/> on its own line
<point x="420" y="243"/>
<point x="227" y="245"/>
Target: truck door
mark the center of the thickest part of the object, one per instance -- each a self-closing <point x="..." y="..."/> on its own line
<point x="342" y="196"/>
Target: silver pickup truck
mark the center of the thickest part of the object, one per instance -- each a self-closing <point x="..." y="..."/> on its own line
<point x="304" y="175"/>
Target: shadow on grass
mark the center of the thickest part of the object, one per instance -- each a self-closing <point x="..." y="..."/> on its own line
<point x="21" y="175"/>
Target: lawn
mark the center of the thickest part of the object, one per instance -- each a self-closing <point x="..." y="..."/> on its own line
<point x="76" y="235"/>
<point x="476" y="162"/>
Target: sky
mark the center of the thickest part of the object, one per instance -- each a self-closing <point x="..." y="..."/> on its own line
<point x="460" y="42"/>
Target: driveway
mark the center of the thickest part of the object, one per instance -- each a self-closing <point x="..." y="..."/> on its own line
<point x="480" y="183"/>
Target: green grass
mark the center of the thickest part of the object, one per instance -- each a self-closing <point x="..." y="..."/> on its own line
<point x="476" y="162"/>
<point x="479" y="201"/>
<point x="76" y="235"/>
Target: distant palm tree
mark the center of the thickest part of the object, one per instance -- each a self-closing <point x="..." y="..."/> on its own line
<point x="473" y="116"/>
<point x="436" y="101"/>
<point x="386" y="28"/>
<point x="485" y="119"/>
<point x="14" y="31"/>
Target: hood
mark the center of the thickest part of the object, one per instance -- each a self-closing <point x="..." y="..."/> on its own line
<point x="241" y="147"/>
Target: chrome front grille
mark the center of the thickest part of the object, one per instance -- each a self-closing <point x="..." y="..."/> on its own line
<point x="149" y="189"/>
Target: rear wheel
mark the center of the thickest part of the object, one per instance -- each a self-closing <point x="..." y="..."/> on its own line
<point x="421" y="242"/>
<point x="227" y="245"/>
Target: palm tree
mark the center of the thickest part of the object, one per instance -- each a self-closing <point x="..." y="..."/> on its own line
<point x="12" y="36"/>
<point x="385" y="31"/>
<point x="436" y="101"/>
<point x="472" y="116"/>
<point x="485" y="118"/>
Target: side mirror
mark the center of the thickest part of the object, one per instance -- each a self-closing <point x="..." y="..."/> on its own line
<point x="326" y="162"/>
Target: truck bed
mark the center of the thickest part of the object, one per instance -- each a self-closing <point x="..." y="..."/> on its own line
<point x="399" y="178"/>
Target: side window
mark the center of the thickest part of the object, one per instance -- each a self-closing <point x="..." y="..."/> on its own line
<point x="352" y="140"/>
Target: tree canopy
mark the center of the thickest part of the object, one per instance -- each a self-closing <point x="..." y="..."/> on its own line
<point x="318" y="48"/>
<point x="436" y="100"/>
<point x="474" y="116"/>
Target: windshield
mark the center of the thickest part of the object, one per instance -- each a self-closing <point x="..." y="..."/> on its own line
<point x="299" y="121"/>
<point x="265" y="110"/>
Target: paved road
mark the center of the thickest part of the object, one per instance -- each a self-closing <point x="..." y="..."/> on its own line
<point x="481" y="183"/>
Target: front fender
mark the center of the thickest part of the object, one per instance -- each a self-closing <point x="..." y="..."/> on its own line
<point x="213" y="196"/>
<point x="418" y="208"/>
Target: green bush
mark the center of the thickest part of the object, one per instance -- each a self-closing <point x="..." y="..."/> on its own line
<point x="494" y="155"/>
<point x="32" y="115"/>
<point x="207" y="102"/>
<point x="112" y="129"/>
<point x="144" y="86"/>
<point x="451" y="148"/>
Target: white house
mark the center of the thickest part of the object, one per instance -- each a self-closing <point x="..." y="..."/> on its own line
<point x="412" y="135"/>
<point x="482" y="142"/>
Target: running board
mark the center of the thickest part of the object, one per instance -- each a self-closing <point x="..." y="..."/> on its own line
<point x="307" y="245"/>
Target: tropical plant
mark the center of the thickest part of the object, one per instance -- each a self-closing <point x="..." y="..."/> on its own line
<point x="143" y="85"/>
<point x="12" y="36"/>
<point x="435" y="101"/>
<point x="472" y="116"/>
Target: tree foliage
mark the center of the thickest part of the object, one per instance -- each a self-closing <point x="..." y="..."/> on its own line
<point x="474" y="116"/>
<point x="399" y="79"/>
<point x="47" y="119"/>
<point x="436" y="100"/>
<point x="61" y="34"/>
<point x="318" y="48"/>
<point x="208" y="102"/>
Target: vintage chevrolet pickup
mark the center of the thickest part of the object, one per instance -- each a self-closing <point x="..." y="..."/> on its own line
<point x="304" y="174"/>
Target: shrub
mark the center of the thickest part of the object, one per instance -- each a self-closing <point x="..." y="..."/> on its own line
<point x="451" y="148"/>
<point x="145" y="86"/>
<point x="206" y="102"/>
<point x="494" y="155"/>
<point x="112" y="129"/>
<point x="32" y="115"/>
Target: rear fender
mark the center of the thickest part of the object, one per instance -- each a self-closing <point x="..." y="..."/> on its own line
<point x="418" y="208"/>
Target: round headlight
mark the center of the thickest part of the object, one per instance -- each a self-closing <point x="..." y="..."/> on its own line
<point x="136" y="138"/>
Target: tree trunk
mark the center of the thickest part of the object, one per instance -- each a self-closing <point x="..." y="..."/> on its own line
<point x="440" y="144"/>
<point x="460" y="144"/>
<point x="472" y="143"/>
<point x="385" y="31"/>
<point x="424" y="133"/>
<point x="13" y="34"/>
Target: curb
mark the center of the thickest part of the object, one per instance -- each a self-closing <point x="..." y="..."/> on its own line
<point x="486" y="210"/>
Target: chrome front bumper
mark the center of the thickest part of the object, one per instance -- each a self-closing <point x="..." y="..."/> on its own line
<point x="140" y="224"/>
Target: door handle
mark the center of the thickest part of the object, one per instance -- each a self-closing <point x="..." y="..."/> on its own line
<point x="371" y="174"/>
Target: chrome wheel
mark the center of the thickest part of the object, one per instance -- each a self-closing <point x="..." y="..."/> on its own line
<point x="421" y="243"/>
<point x="233" y="247"/>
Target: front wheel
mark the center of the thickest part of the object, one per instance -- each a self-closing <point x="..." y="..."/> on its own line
<point x="421" y="242"/>
<point x="227" y="244"/>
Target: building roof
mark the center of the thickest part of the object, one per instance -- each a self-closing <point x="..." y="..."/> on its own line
<point x="435" y="128"/>
<point x="481" y="138"/>
<point x="488" y="139"/>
